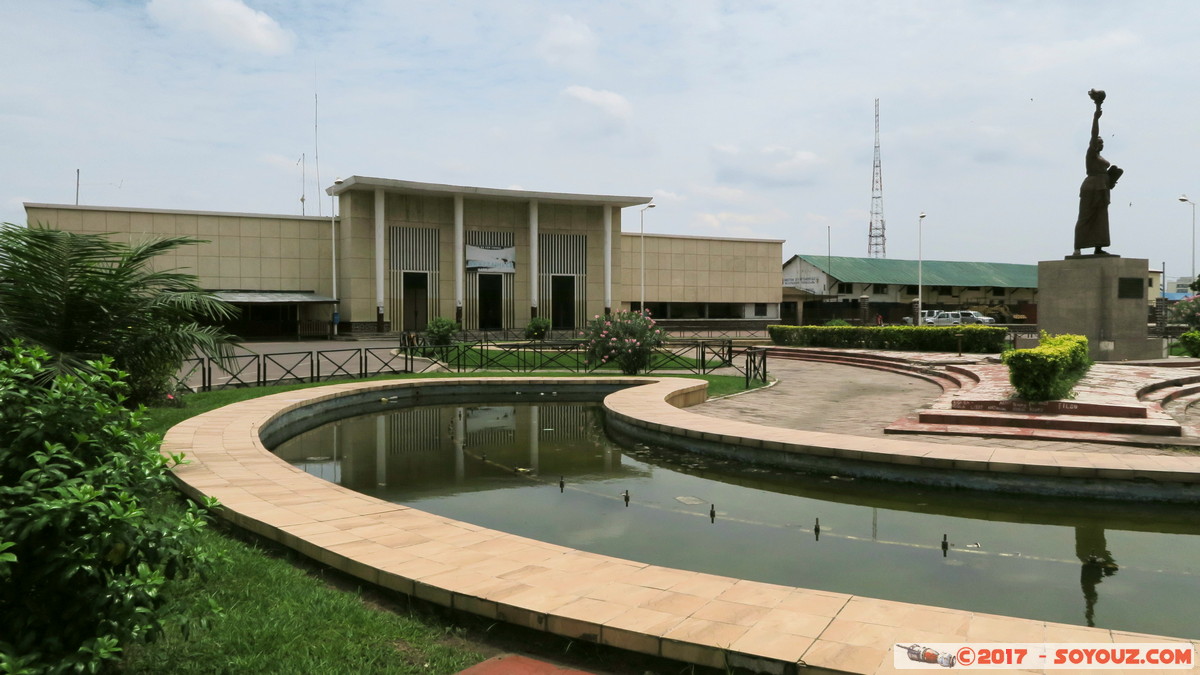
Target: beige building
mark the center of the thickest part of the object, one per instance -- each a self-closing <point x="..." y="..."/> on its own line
<point x="400" y="253"/>
<point x="690" y="277"/>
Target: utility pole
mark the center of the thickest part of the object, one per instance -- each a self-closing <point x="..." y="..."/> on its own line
<point x="877" y="239"/>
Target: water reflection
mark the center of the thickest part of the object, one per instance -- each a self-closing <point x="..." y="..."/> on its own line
<point x="427" y="450"/>
<point x="498" y="466"/>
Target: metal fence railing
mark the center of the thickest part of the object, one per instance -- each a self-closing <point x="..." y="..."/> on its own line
<point x="415" y="356"/>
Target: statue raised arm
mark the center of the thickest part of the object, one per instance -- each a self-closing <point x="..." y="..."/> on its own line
<point x="1091" y="228"/>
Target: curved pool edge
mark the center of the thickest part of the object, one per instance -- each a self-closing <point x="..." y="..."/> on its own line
<point x="652" y="414"/>
<point x="688" y="616"/>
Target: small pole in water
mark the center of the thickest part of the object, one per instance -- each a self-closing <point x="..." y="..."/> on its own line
<point x="626" y="494"/>
<point x="817" y="529"/>
<point x="945" y="546"/>
<point x="712" y="514"/>
<point x="561" y="483"/>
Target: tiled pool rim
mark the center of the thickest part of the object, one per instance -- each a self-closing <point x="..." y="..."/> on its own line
<point x="692" y="617"/>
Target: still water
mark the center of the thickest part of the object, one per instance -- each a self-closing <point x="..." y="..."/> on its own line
<point x="1123" y="566"/>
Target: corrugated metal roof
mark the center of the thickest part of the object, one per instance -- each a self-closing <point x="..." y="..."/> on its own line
<point x="933" y="272"/>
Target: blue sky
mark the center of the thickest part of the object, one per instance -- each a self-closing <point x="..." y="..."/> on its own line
<point x="746" y="119"/>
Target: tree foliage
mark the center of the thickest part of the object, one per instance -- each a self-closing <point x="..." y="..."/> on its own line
<point x="84" y="296"/>
<point x="82" y="559"/>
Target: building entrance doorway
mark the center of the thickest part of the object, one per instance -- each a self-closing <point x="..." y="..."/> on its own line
<point x="562" y="302"/>
<point x="491" y="302"/>
<point x="416" y="301"/>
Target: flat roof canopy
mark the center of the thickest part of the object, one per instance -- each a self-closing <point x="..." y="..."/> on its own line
<point x="274" y="298"/>
<point x="439" y="190"/>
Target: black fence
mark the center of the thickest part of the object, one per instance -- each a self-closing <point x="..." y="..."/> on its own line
<point x="414" y="356"/>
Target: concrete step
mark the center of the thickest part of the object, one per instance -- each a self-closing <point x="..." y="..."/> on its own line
<point x="1011" y="405"/>
<point x="1113" y="425"/>
<point x="946" y="379"/>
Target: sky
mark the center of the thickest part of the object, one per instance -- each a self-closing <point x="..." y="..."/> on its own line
<point x="749" y="118"/>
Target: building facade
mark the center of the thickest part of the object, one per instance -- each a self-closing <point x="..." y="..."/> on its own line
<point x="400" y="253"/>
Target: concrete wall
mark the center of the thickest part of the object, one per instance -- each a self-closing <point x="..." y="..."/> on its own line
<point x="241" y="251"/>
<point x="700" y="269"/>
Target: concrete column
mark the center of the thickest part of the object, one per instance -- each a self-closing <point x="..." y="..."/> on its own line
<point x="379" y="226"/>
<point x="459" y="263"/>
<point x="608" y="236"/>
<point x="533" y="259"/>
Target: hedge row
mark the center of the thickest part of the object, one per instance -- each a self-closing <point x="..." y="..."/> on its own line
<point x="975" y="339"/>
<point x="1050" y="370"/>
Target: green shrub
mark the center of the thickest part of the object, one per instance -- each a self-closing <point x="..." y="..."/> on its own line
<point x="537" y="328"/>
<point x="627" y="339"/>
<point x="837" y="322"/>
<point x="83" y="558"/>
<point x="1190" y="341"/>
<point x="976" y="339"/>
<point x="440" y="331"/>
<point x="1050" y="370"/>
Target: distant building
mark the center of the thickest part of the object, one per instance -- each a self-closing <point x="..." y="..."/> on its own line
<point x="891" y="285"/>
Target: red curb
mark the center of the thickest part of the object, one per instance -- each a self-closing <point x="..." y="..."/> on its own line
<point x="513" y="664"/>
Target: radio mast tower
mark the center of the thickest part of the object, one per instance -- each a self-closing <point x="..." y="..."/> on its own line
<point x="877" y="239"/>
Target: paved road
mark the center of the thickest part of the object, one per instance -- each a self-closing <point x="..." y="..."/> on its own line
<point x="859" y="401"/>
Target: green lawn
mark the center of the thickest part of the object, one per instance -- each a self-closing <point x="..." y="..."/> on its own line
<point x="281" y="615"/>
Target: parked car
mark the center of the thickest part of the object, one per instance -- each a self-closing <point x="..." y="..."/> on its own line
<point x="947" y="319"/>
<point x="971" y="316"/>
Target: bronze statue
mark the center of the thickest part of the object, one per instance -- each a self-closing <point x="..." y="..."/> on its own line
<point x="1091" y="229"/>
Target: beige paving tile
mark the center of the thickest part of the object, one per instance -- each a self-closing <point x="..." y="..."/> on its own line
<point x="730" y="612"/>
<point x="842" y="657"/>
<point x="764" y="642"/>
<point x="755" y="593"/>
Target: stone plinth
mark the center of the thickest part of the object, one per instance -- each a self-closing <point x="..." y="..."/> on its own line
<point x="1101" y="297"/>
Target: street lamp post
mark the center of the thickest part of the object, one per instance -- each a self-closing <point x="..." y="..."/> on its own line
<point x="1185" y="200"/>
<point x="920" y="277"/>
<point x="642" y="238"/>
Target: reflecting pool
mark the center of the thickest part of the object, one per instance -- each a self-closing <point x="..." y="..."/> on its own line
<point x="1115" y="565"/>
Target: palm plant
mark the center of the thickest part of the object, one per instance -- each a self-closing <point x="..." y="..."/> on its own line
<point x="83" y="296"/>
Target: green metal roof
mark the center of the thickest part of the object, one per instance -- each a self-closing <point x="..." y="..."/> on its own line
<point x="933" y="272"/>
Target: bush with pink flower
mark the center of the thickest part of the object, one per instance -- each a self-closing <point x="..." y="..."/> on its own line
<point x="627" y="339"/>
<point x="1187" y="311"/>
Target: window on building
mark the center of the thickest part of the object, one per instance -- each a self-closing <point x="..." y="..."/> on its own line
<point x="845" y="289"/>
<point x="760" y="309"/>
<point x="972" y="288"/>
<point x="998" y="291"/>
<point x="910" y="290"/>
<point x="881" y="288"/>
<point x="944" y="290"/>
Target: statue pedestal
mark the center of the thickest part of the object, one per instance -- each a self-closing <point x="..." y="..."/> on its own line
<point x="1101" y="297"/>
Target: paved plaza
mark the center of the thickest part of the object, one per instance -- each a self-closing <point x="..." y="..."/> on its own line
<point x="842" y="399"/>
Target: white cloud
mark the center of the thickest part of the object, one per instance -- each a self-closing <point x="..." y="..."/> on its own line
<point x="610" y="102"/>
<point x="1070" y="52"/>
<point x="772" y="166"/>
<point x="229" y="22"/>
<point x="567" y="42"/>
<point x="735" y="224"/>
<point x="668" y="196"/>
<point x="722" y="193"/>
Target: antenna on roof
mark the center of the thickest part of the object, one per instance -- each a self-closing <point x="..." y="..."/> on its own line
<point x="303" y="179"/>
<point x="316" y="152"/>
